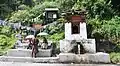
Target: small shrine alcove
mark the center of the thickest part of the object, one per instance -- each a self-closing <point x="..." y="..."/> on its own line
<point x="75" y="28"/>
<point x="76" y="40"/>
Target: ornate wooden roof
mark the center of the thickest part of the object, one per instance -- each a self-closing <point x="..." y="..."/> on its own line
<point x="75" y="16"/>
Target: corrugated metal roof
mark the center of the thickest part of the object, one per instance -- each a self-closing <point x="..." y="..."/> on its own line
<point x="51" y="9"/>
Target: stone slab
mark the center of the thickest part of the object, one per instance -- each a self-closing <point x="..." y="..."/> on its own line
<point x="50" y="64"/>
<point x="67" y="57"/>
<point x="93" y="58"/>
<point x="84" y="58"/>
<point x="29" y="59"/>
<point x="62" y="58"/>
<point x="27" y="53"/>
<point x="99" y="57"/>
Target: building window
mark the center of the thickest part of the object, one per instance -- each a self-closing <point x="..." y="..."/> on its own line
<point x="75" y="28"/>
<point x="50" y="15"/>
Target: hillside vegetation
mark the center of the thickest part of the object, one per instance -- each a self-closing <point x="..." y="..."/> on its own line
<point x="103" y="17"/>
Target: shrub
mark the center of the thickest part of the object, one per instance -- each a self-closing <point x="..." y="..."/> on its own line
<point x="57" y="36"/>
<point x="7" y="39"/>
<point x="6" y="43"/>
<point x="115" y="57"/>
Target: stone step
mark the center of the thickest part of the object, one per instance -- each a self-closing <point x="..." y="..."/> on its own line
<point x="62" y="58"/>
<point x="50" y="64"/>
<point x="29" y="59"/>
<point x="27" y="53"/>
<point x="84" y="58"/>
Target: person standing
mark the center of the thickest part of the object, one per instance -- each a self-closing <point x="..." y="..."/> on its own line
<point x="35" y="47"/>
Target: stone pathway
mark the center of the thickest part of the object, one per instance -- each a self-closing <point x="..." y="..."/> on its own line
<point x="47" y="64"/>
<point x="29" y="59"/>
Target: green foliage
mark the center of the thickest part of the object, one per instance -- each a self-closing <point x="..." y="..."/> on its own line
<point x="29" y="16"/>
<point x="100" y="8"/>
<point x="115" y="57"/>
<point x="7" y="39"/>
<point x="62" y="20"/>
<point x="20" y="16"/>
<point x="56" y="27"/>
<point x="108" y="29"/>
<point x="4" y="10"/>
<point x="7" y="6"/>
<point x="5" y="30"/>
<point x="101" y="17"/>
<point x="57" y="36"/>
<point x="104" y="9"/>
<point x="28" y="2"/>
<point x="65" y="5"/>
<point x="96" y="23"/>
<point x="38" y="10"/>
<point x="6" y="43"/>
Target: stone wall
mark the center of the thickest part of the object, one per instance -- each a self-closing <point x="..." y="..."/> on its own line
<point x="88" y="44"/>
<point x="66" y="45"/>
<point x="84" y="58"/>
<point x="104" y="45"/>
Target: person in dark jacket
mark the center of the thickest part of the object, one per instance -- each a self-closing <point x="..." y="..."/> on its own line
<point x="35" y="47"/>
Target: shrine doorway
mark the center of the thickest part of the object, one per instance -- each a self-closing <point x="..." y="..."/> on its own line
<point x="75" y="28"/>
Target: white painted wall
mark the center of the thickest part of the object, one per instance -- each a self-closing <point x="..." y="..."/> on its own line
<point x="68" y="31"/>
<point x="70" y="36"/>
<point x="65" y="44"/>
<point x="83" y="30"/>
